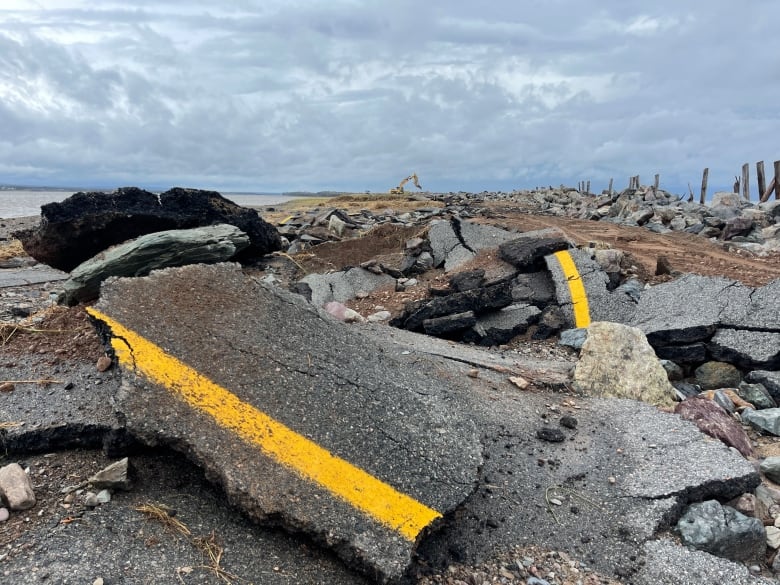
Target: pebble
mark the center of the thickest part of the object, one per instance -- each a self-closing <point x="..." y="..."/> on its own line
<point x="103" y="363"/>
<point x="4" y="514"/>
<point x="103" y="496"/>
<point x="7" y="387"/>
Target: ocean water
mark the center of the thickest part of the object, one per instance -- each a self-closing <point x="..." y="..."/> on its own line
<point x="25" y="203"/>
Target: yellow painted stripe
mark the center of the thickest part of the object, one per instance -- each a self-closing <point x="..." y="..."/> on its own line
<point x="368" y="494"/>
<point x="286" y="219"/>
<point x="579" y="300"/>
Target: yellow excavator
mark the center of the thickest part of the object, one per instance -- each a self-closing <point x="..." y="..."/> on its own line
<point x="400" y="189"/>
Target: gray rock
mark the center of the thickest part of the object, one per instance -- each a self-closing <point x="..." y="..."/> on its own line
<point x="714" y="375"/>
<point x="757" y="395"/>
<point x="573" y="337"/>
<point x="722" y="531"/>
<point x="726" y="199"/>
<point x="771" y="468"/>
<point x="114" y="476"/>
<point x="16" y="487"/>
<point x="685" y="390"/>
<point x="632" y="287"/>
<point x="747" y="349"/>
<point x="723" y="400"/>
<point x="674" y="372"/>
<point x="208" y="245"/>
<point x="766" y="420"/>
<point x="770" y="381"/>
<point x="617" y="361"/>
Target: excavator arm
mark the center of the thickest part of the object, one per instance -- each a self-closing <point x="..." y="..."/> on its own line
<point x="400" y="188"/>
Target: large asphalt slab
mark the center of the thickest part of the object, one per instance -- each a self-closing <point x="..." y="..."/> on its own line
<point x="324" y="381"/>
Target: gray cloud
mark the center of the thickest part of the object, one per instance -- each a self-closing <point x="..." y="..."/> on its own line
<point x="311" y="95"/>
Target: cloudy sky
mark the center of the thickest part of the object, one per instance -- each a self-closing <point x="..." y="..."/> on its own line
<point x="267" y="95"/>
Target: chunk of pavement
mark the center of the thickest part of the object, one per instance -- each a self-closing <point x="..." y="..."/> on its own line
<point x="771" y="468"/>
<point x="692" y="353"/>
<point x="535" y="288"/>
<point x="687" y="309"/>
<point x="528" y="251"/>
<point x="616" y="360"/>
<point x="761" y="310"/>
<point x="722" y="531"/>
<point x="500" y="326"/>
<point x="138" y="257"/>
<point x="113" y="477"/>
<point x="480" y="300"/>
<point x="712" y="420"/>
<point x="344" y="285"/>
<point x="455" y="242"/>
<point x="439" y="326"/>
<point x="85" y="224"/>
<point x="304" y="421"/>
<point x="713" y="375"/>
<point x="467" y="280"/>
<point x="668" y="563"/>
<point x="16" y="487"/>
<point x="602" y="304"/>
<point x="770" y="380"/>
<point x="747" y="349"/>
<point x="766" y="420"/>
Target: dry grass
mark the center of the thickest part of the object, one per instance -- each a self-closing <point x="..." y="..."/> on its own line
<point x="160" y="514"/>
<point x="348" y="202"/>
<point x="12" y="249"/>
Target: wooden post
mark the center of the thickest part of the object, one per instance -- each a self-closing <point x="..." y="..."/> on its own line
<point x="587" y="187"/>
<point x="690" y="193"/>
<point x="769" y="190"/>
<point x="655" y="183"/>
<point x="746" y="181"/>
<point x="704" y="178"/>
<point x="777" y="179"/>
<point x="636" y="182"/>
<point x="610" y="186"/>
<point x="760" y="177"/>
<point x="736" y="184"/>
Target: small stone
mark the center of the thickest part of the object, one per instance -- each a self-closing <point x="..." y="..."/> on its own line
<point x="15" y="485"/>
<point x="772" y="537"/>
<point x="4" y="514"/>
<point x="115" y="476"/>
<point x="379" y="316"/>
<point x="7" y="387"/>
<point x="771" y="468"/>
<point x="612" y="479"/>
<point x="550" y="434"/>
<point x="473" y="373"/>
<point x="103" y="496"/>
<point x="98" y="581"/>
<point x="521" y="383"/>
<point x="90" y="500"/>
<point x="568" y="421"/>
<point x="103" y="363"/>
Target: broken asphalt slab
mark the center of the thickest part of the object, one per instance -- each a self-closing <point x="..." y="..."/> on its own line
<point x="303" y="422"/>
<point x="23" y="276"/>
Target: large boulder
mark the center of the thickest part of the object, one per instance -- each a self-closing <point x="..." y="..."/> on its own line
<point x="617" y="361"/>
<point x="85" y="224"/>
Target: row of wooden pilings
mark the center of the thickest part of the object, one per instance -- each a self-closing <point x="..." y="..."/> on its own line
<point x="740" y="183"/>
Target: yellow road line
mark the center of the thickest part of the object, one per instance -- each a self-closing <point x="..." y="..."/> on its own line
<point x="579" y="300"/>
<point x="368" y="494"/>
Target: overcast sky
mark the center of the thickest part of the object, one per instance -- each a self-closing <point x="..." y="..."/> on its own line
<point x="266" y="95"/>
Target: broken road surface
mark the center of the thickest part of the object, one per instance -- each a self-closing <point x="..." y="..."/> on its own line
<point x="302" y="421"/>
